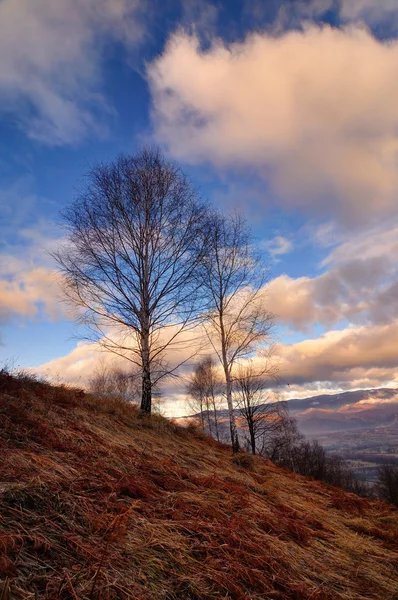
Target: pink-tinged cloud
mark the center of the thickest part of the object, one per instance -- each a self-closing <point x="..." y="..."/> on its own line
<point x="314" y="111"/>
<point x="357" y="356"/>
<point x="358" y="284"/>
<point x="30" y="293"/>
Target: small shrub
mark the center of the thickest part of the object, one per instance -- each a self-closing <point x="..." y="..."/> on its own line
<point x="134" y="487"/>
<point x="243" y="460"/>
<point x="193" y="430"/>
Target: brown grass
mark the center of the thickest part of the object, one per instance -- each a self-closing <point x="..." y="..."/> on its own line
<point x="98" y="503"/>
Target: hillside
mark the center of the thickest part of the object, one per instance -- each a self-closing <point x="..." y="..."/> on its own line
<point x="98" y="503"/>
<point x="359" y="426"/>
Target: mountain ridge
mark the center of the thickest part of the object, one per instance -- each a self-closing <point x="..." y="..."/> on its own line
<point x="304" y="409"/>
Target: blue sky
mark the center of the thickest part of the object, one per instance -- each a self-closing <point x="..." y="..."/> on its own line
<point x="286" y="110"/>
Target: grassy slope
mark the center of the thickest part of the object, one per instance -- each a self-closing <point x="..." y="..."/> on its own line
<point x="98" y="503"/>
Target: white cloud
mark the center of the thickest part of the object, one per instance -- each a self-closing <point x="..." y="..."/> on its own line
<point x="29" y="284"/>
<point x="379" y="242"/>
<point x="315" y="112"/>
<point x="77" y="367"/>
<point x="278" y="246"/>
<point x="50" y="71"/>
<point x="358" y="285"/>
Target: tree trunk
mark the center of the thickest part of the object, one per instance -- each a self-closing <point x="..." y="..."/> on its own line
<point x="215" y="418"/>
<point x="232" y="424"/>
<point x="228" y="381"/>
<point x="202" y="417"/>
<point x="146" y="398"/>
<point x="252" y="438"/>
<point x="209" y="417"/>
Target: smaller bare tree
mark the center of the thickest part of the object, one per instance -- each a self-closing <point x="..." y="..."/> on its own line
<point x="232" y="273"/>
<point x="387" y="483"/>
<point x="258" y="407"/>
<point x="112" y="381"/>
<point x="204" y="390"/>
<point x="280" y="446"/>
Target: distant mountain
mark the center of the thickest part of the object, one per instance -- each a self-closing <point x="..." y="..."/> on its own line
<point x="360" y="426"/>
<point x="357" y="410"/>
<point x="346" y="411"/>
<point x="335" y="401"/>
<point x="323" y="421"/>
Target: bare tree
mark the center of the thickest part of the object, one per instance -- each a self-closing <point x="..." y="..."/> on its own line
<point x="113" y="381"/>
<point x="288" y="448"/>
<point x="134" y="243"/>
<point x="98" y="384"/>
<point x="204" y="390"/>
<point x="233" y="274"/>
<point x="281" y="445"/>
<point x="387" y="483"/>
<point x="258" y="407"/>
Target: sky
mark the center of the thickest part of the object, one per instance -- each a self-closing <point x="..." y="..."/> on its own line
<point x="286" y="110"/>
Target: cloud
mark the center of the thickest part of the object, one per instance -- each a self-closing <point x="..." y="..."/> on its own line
<point x="113" y="344"/>
<point x="313" y="112"/>
<point x="357" y="357"/>
<point x="354" y="357"/>
<point x="372" y="12"/>
<point x="77" y="367"/>
<point x="201" y="15"/>
<point x="292" y="302"/>
<point x="50" y="63"/>
<point x="278" y="246"/>
<point x="29" y="287"/>
<point x="29" y="293"/>
<point x="29" y="284"/>
<point x="358" y="285"/>
<point x="346" y="293"/>
<point x="381" y="241"/>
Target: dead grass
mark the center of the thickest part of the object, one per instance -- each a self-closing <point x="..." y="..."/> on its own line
<point x="243" y="460"/>
<point x="98" y="503"/>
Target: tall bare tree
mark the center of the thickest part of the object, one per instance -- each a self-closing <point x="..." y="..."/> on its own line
<point x="133" y="246"/>
<point x="204" y="390"/>
<point x="233" y="275"/>
<point x="259" y="408"/>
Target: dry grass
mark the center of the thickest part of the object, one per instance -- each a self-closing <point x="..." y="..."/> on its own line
<point x="98" y="503"/>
